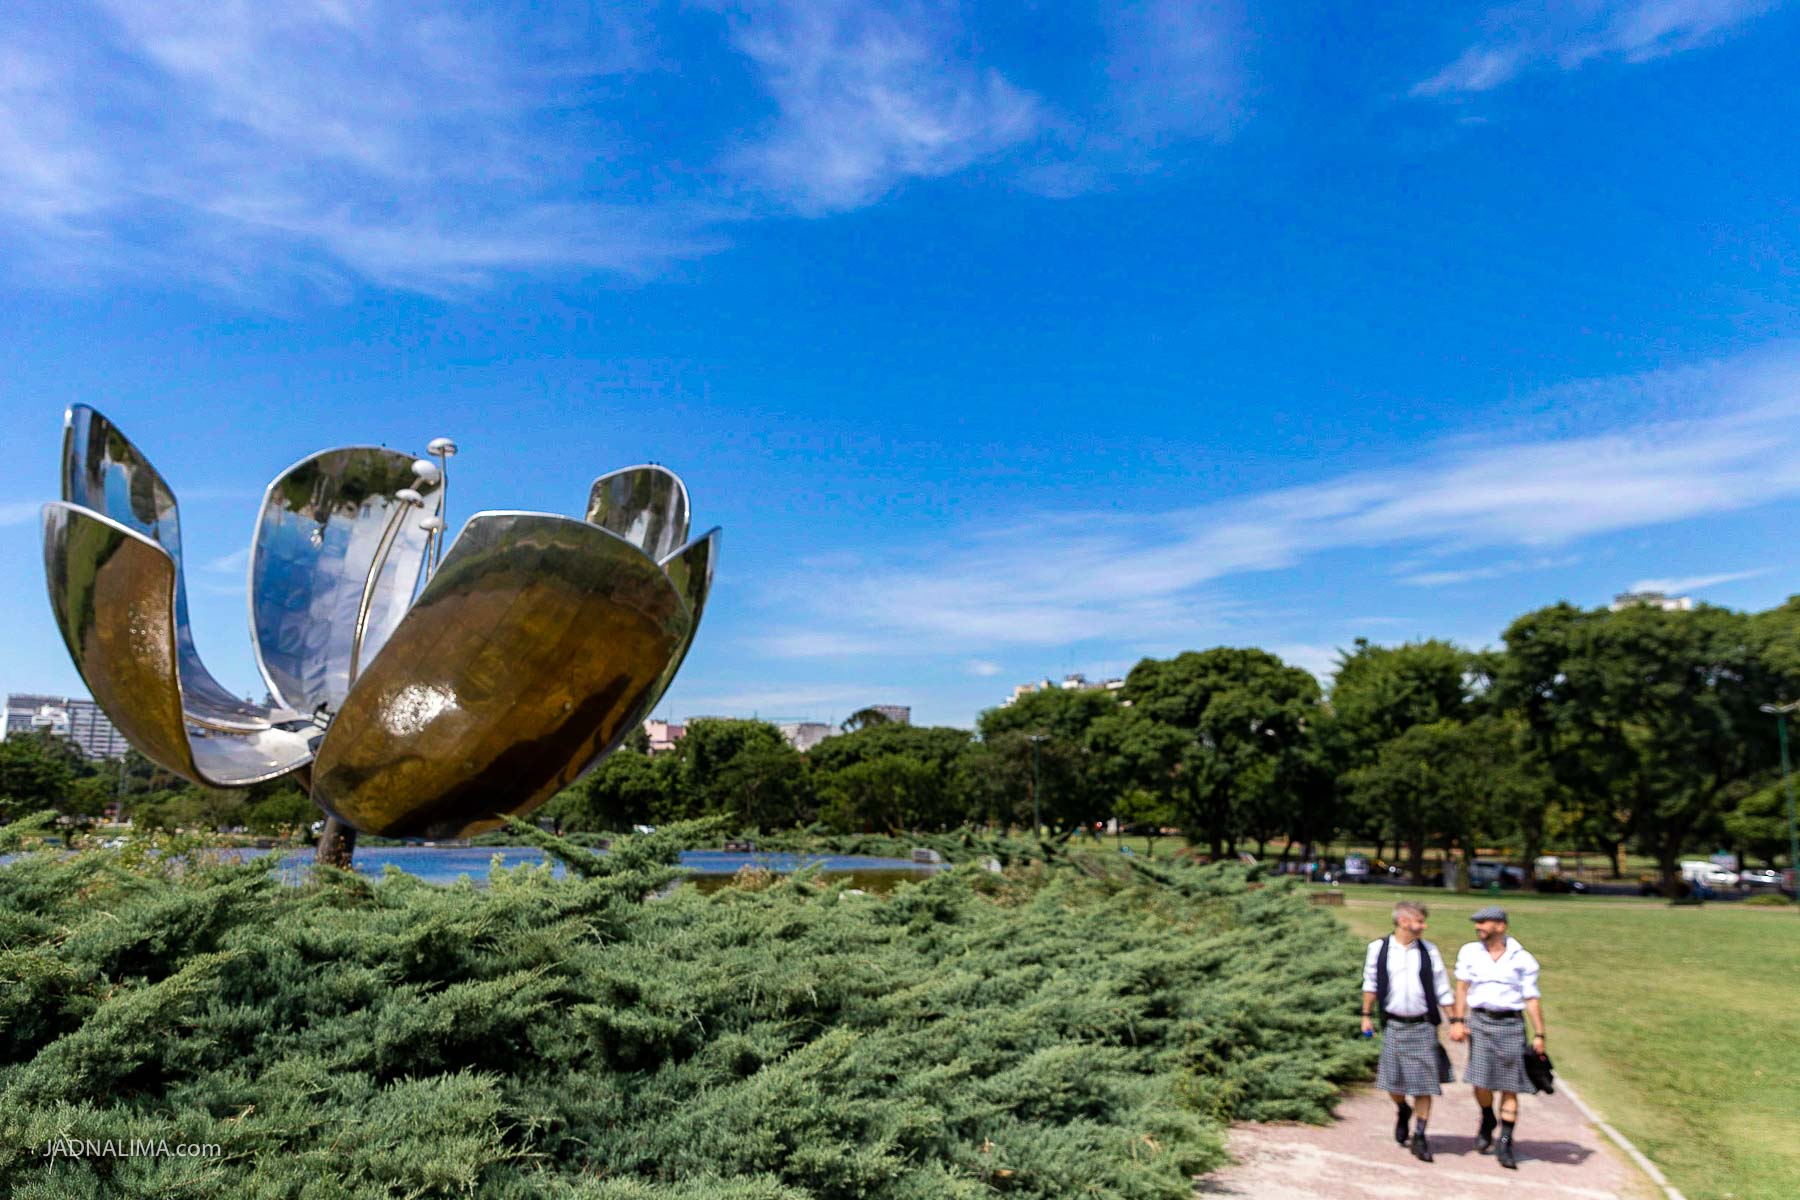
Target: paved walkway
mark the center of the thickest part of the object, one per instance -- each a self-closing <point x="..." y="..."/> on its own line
<point x="1562" y="1156"/>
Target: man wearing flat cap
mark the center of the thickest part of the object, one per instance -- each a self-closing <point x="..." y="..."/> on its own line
<point x="1404" y="981"/>
<point x="1496" y="986"/>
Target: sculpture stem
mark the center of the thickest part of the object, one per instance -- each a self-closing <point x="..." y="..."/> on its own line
<point x="337" y="845"/>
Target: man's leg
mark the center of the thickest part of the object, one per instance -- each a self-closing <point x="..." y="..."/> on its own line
<point x="1421" y="1148"/>
<point x="1402" y="1116"/>
<point x="1509" y="1113"/>
<point x="1484" y="1137"/>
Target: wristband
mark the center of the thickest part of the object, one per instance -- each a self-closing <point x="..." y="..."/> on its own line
<point x="1458" y="1021"/>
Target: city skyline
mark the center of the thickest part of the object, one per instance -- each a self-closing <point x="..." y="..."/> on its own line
<point x="999" y="349"/>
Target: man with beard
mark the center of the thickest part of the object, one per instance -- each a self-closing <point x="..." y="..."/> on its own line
<point x="1496" y="986"/>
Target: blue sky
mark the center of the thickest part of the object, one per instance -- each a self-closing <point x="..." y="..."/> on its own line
<point x="1001" y="343"/>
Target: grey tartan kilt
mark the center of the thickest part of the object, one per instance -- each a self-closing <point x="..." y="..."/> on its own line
<point x="1496" y="1049"/>
<point x="1409" y="1060"/>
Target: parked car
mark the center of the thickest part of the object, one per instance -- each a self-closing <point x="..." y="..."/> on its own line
<point x="1356" y="869"/>
<point x="1700" y="871"/>
<point x="1561" y="885"/>
<point x="1760" y="880"/>
<point x="1484" y="872"/>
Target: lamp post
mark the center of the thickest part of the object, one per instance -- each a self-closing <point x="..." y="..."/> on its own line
<point x="1787" y="782"/>
<point x="1036" y="740"/>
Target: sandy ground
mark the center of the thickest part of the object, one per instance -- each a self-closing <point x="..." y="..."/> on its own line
<point x="1562" y="1156"/>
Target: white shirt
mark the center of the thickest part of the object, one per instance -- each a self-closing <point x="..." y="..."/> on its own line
<point x="1505" y="982"/>
<point x="1405" y="998"/>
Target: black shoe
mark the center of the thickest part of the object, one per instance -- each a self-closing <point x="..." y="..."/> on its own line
<point x="1505" y="1155"/>
<point x="1401" y="1122"/>
<point x="1421" y="1149"/>
<point x="1484" y="1137"/>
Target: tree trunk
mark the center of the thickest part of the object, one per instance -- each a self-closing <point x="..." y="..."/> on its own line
<point x="1614" y="858"/>
<point x="337" y="845"/>
<point x="1667" y="852"/>
<point x="1534" y="846"/>
<point x="1415" y="858"/>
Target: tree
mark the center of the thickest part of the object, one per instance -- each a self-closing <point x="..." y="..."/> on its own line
<point x="1221" y="732"/>
<point x="1757" y="824"/>
<point x="1458" y="784"/>
<point x="37" y="771"/>
<point x="743" y="769"/>
<point x="951" y="790"/>
<point x="1063" y="767"/>
<point x="627" y="789"/>
<point x="1378" y="693"/>
<point x="887" y="794"/>
<point x="1646" y="717"/>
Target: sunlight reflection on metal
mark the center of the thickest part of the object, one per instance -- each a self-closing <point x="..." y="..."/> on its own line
<point x="532" y="651"/>
<point x="646" y="505"/>
<point x="112" y="590"/>
<point x="317" y="555"/>
<point x="104" y="472"/>
<point x="535" y="646"/>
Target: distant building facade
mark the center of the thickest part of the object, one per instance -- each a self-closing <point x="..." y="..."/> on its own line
<point x="897" y="714"/>
<point x="1073" y="682"/>
<point x="663" y="735"/>
<point x="804" y="735"/>
<point x="74" y="717"/>
<point x="1652" y="600"/>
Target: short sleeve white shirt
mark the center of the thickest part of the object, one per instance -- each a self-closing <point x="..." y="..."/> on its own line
<point x="1405" y="998"/>
<point x="1506" y="982"/>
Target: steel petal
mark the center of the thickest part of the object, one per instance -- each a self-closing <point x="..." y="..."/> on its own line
<point x="321" y="524"/>
<point x="529" y="652"/>
<point x="113" y="591"/>
<point x="646" y="505"/>
<point x="690" y="569"/>
<point x="104" y="472"/>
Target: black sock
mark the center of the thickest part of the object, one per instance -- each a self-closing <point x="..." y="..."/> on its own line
<point x="1487" y="1117"/>
<point x="1506" y="1128"/>
<point x="1419" y="1126"/>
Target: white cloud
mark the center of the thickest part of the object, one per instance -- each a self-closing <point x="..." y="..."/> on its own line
<point x="230" y="564"/>
<point x="1521" y="36"/>
<point x="1695" y="583"/>
<point x="1138" y="580"/>
<point x="867" y="97"/>
<point x="1497" y="570"/>
<point x="413" y="145"/>
<point x="983" y="668"/>
<point x="18" y="512"/>
<point x="789" y="700"/>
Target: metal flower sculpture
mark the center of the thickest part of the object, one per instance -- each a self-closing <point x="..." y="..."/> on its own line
<point x="536" y="644"/>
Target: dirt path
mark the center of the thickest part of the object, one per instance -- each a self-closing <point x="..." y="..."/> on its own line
<point x="1562" y="1156"/>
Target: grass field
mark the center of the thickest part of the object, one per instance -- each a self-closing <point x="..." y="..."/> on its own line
<point x="1680" y="1025"/>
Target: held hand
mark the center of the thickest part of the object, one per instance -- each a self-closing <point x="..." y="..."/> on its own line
<point x="1368" y="1026"/>
<point x="1458" y="1033"/>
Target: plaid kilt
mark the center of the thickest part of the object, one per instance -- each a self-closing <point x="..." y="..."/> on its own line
<point x="1409" y="1063"/>
<point x="1496" y="1054"/>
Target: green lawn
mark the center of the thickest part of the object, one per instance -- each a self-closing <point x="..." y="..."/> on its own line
<point x="1680" y="1025"/>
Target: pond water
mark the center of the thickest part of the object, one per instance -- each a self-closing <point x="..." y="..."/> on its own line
<point x="709" y="868"/>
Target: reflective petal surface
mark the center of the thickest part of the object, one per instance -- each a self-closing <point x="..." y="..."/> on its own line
<point x="104" y="472"/>
<point x="322" y="523"/>
<point x="530" y="652"/>
<point x="647" y="506"/>
<point x="690" y="569"/>
<point x="113" y="591"/>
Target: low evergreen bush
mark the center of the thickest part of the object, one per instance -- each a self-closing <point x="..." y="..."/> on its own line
<point x="1073" y="1026"/>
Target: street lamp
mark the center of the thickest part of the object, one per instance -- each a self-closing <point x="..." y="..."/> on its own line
<point x="1781" y="711"/>
<point x="1036" y="740"/>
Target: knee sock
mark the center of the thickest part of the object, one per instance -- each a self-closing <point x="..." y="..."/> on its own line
<point x="1419" y="1126"/>
<point x="1488" y="1119"/>
<point x="1506" y="1130"/>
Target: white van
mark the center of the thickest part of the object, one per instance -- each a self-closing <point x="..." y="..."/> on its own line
<point x="1699" y="870"/>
